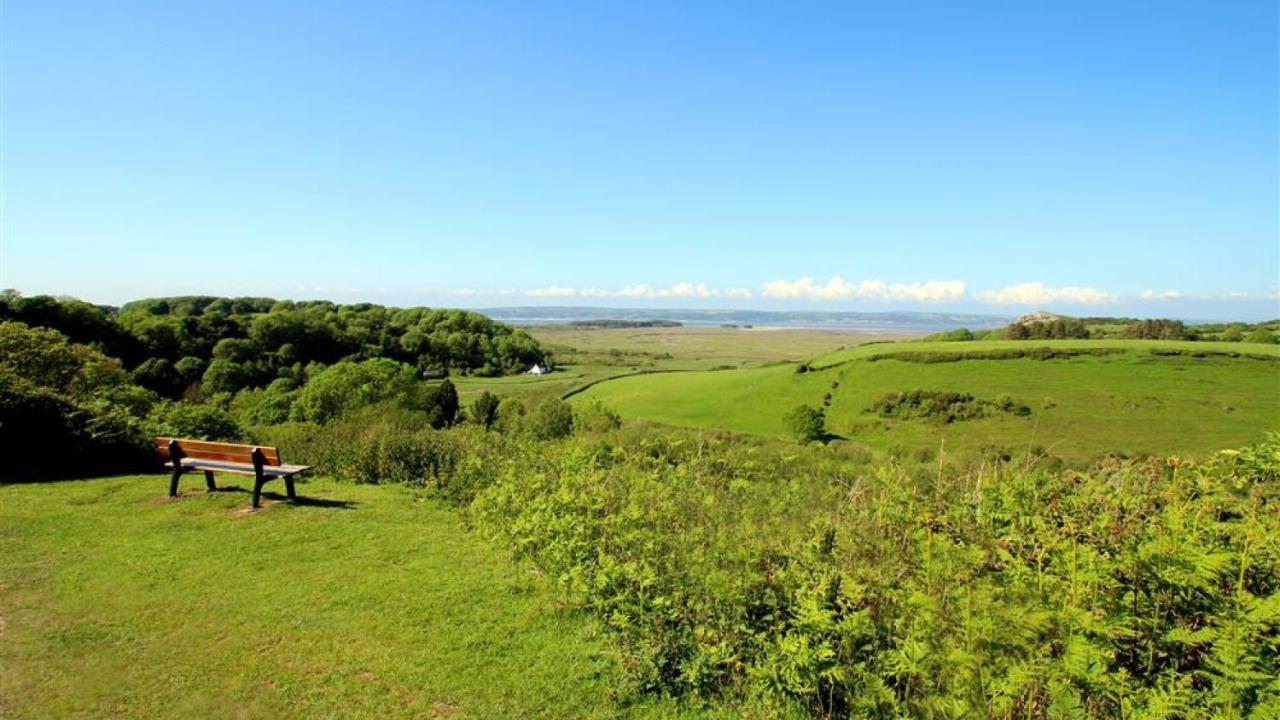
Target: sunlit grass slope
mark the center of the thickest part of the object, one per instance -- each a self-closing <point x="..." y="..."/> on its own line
<point x="1081" y="407"/>
<point x="115" y="602"/>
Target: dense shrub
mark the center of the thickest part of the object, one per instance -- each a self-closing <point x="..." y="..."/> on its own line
<point x="65" y="407"/>
<point x="944" y="407"/>
<point x="594" y="416"/>
<point x="264" y="406"/>
<point x="1039" y="353"/>
<point x="346" y="386"/>
<point x="550" y="419"/>
<point x="439" y="402"/>
<point x="195" y="421"/>
<point x="510" y="415"/>
<point x="484" y="410"/>
<point x="806" y="423"/>
<point x="1263" y="336"/>
<point x="1014" y="592"/>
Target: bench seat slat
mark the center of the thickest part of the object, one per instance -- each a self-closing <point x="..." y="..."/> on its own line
<point x="241" y="468"/>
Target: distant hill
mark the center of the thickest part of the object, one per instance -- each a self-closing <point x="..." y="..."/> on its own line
<point x="907" y="322"/>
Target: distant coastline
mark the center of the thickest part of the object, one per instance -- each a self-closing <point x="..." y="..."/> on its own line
<point x="906" y="322"/>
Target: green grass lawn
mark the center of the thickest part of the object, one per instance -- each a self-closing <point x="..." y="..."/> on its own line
<point x="1082" y="407"/>
<point x="372" y="602"/>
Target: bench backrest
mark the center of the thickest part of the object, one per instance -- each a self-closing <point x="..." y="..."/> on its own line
<point x="228" y="452"/>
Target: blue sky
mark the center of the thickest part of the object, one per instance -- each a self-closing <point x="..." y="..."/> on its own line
<point x="1079" y="156"/>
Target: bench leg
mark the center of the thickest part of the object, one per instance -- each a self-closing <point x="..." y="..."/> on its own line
<point x="173" y="482"/>
<point x="208" y="481"/>
<point x="257" y="491"/>
<point x="288" y="487"/>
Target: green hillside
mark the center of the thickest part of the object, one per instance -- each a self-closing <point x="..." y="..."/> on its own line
<point x="1133" y="396"/>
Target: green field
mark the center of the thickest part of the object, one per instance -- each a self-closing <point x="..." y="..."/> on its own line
<point x="584" y="356"/>
<point x="116" y="602"/>
<point x="1081" y="407"/>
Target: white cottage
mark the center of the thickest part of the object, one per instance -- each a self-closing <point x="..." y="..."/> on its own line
<point x="538" y="370"/>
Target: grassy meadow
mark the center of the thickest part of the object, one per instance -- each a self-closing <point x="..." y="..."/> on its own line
<point x="585" y="356"/>
<point x="1131" y="401"/>
<point x="363" y="602"/>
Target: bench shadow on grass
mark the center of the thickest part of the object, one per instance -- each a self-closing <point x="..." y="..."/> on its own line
<point x="300" y="501"/>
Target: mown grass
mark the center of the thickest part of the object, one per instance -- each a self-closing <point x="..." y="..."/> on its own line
<point x="368" y="602"/>
<point x="1082" y="407"/>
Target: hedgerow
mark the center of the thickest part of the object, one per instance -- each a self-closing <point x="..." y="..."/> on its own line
<point x="1036" y="353"/>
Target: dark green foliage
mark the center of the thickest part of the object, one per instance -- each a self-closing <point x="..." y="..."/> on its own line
<point x="440" y="403"/>
<point x="263" y="338"/>
<point x="1172" y="352"/>
<point x="550" y="419"/>
<point x="264" y="406"/>
<point x="195" y="421"/>
<point x="1158" y="329"/>
<point x="806" y="423"/>
<point x="158" y="375"/>
<point x="1058" y="328"/>
<point x="944" y="407"/>
<point x="79" y="321"/>
<point x="958" y="335"/>
<point x="65" y="407"/>
<point x="1037" y="353"/>
<point x="484" y="410"/>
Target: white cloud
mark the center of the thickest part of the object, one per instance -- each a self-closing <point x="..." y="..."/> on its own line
<point x="1161" y="294"/>
<point x="465" y="292"/>
<point x="837" y="288"/>
<point x="1035" y="293"/>
<point x="679" y="290"/>
<point x="594" y="293"/>
<point x="738" y="293"/>
<point x="552" y="291"/>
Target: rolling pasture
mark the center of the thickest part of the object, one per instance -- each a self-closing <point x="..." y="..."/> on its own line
<point x="1129" y="400"/>
<point x="584" y="356"/>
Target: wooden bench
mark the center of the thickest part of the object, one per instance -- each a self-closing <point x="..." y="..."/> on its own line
<point x="263" y="463"/>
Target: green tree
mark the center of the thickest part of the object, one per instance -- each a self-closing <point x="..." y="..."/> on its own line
<point x="1261" y="335"/>
<point x="550" y="419"/>
<point x="224" y="376"/>
<point x="511" y="415"/>
<point x="347" y="386"/>
<point x="66" y="401"/>
<point x="807" y="423"/>
<point x="484" y="410"/>
<point x="441" y="404"/>
<point x="194" y="421"/>
<point x="159" y="375"/>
